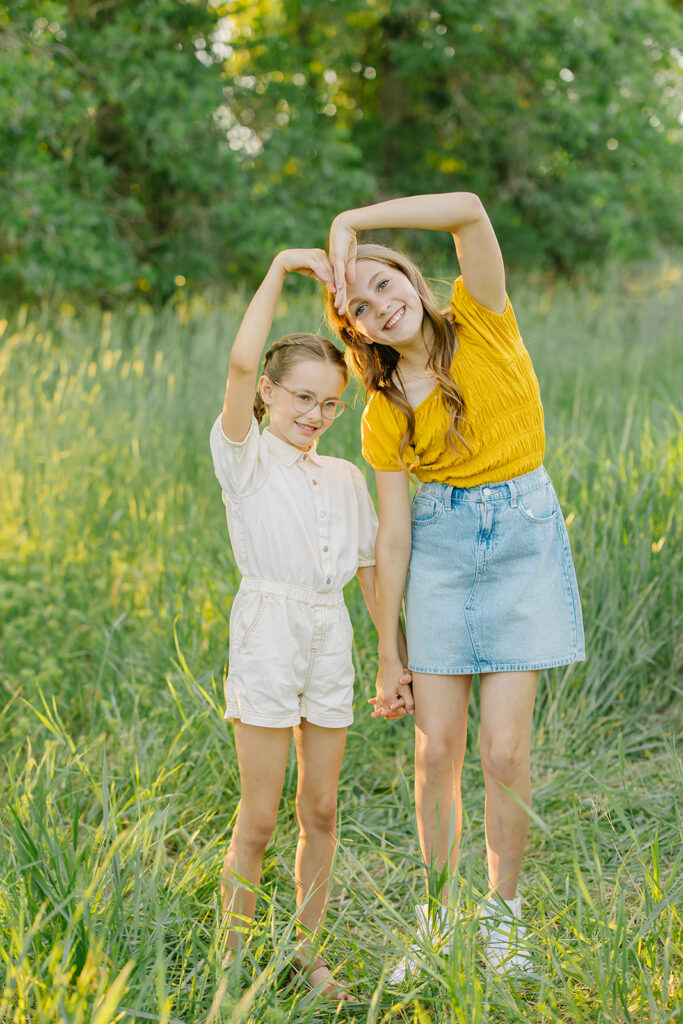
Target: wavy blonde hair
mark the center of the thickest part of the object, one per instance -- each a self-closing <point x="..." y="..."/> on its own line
<point x="375" y="364"/>
<point x="284" y="354"/>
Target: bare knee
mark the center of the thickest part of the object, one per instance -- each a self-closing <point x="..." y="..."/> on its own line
<point x="253" y="831"/>
<point x="437" y="756"/>
<point x="504" y="759"/>
<point x="318" y="813"/>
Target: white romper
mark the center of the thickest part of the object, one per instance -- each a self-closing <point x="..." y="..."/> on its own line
<point x="300" y="525"/>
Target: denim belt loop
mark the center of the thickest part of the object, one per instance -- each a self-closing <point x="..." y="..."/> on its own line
<point x="448" y="496"/>
<point x="513" y="493"/>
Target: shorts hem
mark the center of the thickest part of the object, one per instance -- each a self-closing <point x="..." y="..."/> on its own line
<point x="266" y="721"/>
<point x="521" y="666"/>
<point x="288" y="721"/>
<point x="327" y="723"/>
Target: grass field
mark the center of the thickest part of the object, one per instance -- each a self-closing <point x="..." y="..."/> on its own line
<point x="118" y="782"/>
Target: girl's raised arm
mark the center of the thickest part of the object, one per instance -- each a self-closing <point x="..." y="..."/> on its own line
<point x="461" y="213"/>
<point x="245" y="355"/>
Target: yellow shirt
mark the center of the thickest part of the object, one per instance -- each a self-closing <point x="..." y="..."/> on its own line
<point x="503" y="413"/>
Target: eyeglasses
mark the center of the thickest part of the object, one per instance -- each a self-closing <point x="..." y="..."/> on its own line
<point x="302" y="401"/>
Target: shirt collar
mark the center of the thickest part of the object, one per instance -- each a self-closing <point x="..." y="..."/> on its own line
<point x="288" y="453"/>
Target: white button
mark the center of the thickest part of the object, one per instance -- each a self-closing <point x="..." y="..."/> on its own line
<point x="325" y="547"/>
<point x="487" y="491"/>
<point x="323" y="514"/>
<point x="329" y="579"/>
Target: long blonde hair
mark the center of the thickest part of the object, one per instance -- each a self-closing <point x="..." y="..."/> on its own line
<point x="375" y="364"/>
<point x="282" y="356"/>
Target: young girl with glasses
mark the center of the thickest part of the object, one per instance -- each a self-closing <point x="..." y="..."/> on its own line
<point x="301" y="526"/>
<point x="482" y="552"/>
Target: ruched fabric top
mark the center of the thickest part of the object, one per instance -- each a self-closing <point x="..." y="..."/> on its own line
<point x="503" y="413"/>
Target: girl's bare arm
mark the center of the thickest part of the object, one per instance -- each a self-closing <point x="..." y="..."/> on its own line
<point x="392" y="551"/>
<point x="245" y="355"/>
<point x="460" y="213"/>
<point x="366" y="578"/>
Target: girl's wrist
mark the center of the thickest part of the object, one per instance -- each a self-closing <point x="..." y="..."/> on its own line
<point x="279" y="263"/>
<point x="344" y="220"/>
<point x="388" y="656"/>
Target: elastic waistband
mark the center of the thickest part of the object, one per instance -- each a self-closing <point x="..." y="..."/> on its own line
<point x="504" y="490"/>
<point x="290" y="591"/>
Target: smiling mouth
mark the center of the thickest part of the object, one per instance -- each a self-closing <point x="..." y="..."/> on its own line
<point x="306" y="427"/>
<point x="394" y="319"/>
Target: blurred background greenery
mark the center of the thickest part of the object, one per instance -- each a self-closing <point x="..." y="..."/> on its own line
<point x="156" y="145"/>
<point x="153" y="156"/>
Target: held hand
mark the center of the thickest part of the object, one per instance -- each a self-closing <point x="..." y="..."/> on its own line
<point x="309" y="262"/>
<point x="343" y="248"/>
<point x="393" y="700"/>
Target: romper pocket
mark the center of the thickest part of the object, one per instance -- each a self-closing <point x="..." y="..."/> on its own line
<point x="540" y="505"/>
<point x="425" y="509"/>
<point x="248" y="620"/>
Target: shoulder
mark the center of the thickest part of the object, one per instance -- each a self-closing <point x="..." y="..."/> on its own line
<point x="241" y="466"/>
<point x="476" y="323"/>
<point x="346" y="475"/>
<point x="341" y="467"/>
<point x="378" y="409"/>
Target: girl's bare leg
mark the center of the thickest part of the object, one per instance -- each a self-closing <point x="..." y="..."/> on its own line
<point x="262" y="755"/>
<point x="507" y="706"/>
<point x="319" y="753"/>
<point x="441" y="704"/>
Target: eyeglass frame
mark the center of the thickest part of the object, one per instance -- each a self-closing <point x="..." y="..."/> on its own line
<point x="343" y="406"/>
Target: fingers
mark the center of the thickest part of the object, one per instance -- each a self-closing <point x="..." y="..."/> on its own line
<point x="322" y="269"/>
<point x="343" y="258"/>
<point x="397" y="704"/>
<point x="309" y="263"/>
<point x="387" y="713"/>
<point x="340" y="287"/>
<point x="406" y="692"/>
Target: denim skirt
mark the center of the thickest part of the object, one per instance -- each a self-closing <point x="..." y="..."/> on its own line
<point x="491" y="585"/>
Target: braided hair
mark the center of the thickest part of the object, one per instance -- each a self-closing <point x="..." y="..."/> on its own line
<point x="294" y="348"/>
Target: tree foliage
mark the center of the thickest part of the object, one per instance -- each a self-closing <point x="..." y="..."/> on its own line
<point x="157" y="141"/>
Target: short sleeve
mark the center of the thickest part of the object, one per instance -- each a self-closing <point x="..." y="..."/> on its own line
<point x="367" y="519"/>
<point x="238" y="464"/>
<point x="497" y="331"/>
<point x="380" y="435"/>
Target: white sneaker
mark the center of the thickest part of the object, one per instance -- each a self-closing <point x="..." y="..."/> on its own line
<point x="436" y="933"/>
<point x="504" y="936"/>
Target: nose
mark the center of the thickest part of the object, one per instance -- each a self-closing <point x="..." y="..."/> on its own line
<point x="315" y="415"/>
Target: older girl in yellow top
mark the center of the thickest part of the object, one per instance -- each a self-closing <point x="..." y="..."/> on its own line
<point x="482" y="552"/>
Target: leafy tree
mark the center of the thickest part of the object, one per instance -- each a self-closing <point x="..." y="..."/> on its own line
<point x="154" y="141"/>
<point x="114" y="173"/>
<point x="562" y="115"/>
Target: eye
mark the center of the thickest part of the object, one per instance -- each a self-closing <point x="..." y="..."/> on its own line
<point x="304" y="398"/>
<point x="382" y="285"/>
<point x="361" y="309"/>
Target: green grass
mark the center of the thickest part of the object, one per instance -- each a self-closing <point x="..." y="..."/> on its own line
<point x="119" y="783"/>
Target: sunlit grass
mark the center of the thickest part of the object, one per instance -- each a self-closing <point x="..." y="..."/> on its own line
<point x="119" y="782"/>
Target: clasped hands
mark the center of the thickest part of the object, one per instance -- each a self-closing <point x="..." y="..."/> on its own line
<point x="393" y="700"/>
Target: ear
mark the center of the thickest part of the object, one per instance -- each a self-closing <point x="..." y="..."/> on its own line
<point x="265" y="387"/>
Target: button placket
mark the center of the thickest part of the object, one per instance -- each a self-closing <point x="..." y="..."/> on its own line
<point x="322" y="518"/>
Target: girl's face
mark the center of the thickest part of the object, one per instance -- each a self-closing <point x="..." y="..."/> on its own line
<point x="384" y="306"/>
<point x="310" y="377"/>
